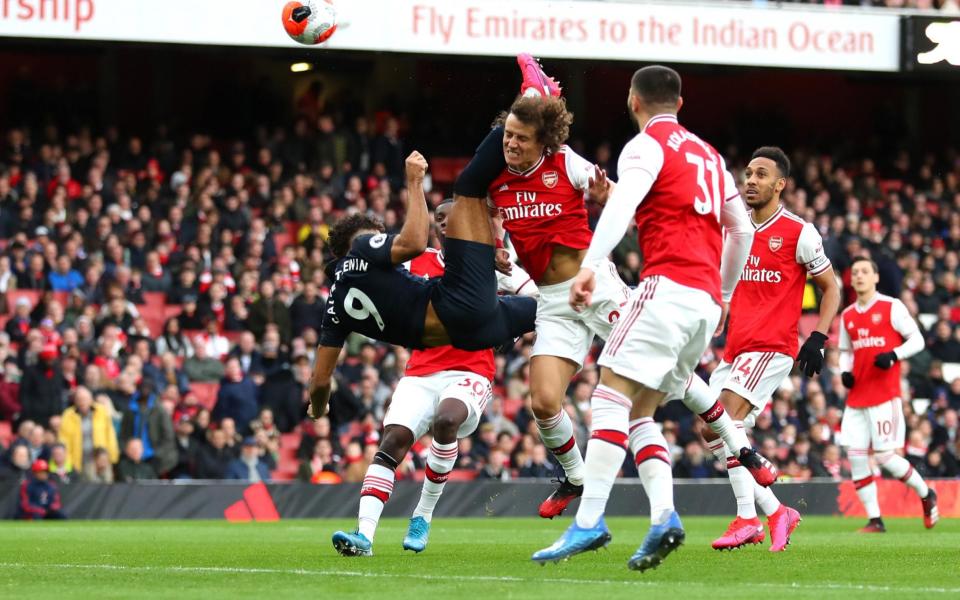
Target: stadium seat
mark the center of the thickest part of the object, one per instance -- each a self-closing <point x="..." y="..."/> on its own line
<point x="32" y="295"/>
<point x="445" y="170"/>
<point x="927" y="319"/>
<point x="6" y="433"/>
<point x="206" y="393"/>
<point x="950" y="372"/>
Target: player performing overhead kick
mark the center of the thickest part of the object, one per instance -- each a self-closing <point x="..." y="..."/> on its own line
<point x="443" y="388"/>
<point x="374" y="295"/>
<point x="876" y="333"/>
<point x="762" y="339"/>
<point x="678" y="190"/>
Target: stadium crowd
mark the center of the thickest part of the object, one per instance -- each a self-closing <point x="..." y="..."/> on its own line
<point x="162" y="297"/>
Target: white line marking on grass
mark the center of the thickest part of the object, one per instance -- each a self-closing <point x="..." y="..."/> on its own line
<point x="854" y="587"/>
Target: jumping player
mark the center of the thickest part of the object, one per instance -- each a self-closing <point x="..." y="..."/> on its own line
<point x="374" y="295"/>
<point x="876" y="333"/>
<point x="443" y="387"/>
<point x="762" y="338"/>
<point x="678" y="190"/>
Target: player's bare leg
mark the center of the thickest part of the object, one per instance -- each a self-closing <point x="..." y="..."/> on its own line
<point x="451" y="413"/>
<point x="376" y="490"/>
<point x="549" y="378"/>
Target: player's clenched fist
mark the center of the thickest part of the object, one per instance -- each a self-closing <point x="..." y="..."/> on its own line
<point x="416" y="166"/>
<point x="581" y="292"/>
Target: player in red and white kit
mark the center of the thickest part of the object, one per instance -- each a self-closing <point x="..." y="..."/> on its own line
<point x="540" y="196"/>
<point x="762" y="339"/>
<point x="876" y="333"/>
<point x="677" y="188"/>
<point x="444" y="388"/>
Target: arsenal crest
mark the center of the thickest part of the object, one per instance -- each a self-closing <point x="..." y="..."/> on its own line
<point x="775" y="243"/>
<point x="876" y="318"/>
<point x="550" y="179"/>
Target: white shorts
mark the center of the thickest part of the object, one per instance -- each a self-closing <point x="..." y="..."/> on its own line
<point x="562" y="331"/>
<point x="662" y="334"/>
<point x="416" y="399"/>
<point x="755" y="376"/>
<point x="880" y="427"/>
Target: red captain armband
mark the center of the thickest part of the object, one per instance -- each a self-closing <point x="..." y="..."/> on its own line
<point x="498" y="243"/>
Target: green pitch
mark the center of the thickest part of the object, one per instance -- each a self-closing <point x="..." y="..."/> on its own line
<point x="466" y="558"/>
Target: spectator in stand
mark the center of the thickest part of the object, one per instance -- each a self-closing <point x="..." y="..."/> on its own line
<point x="133" y="466"/>
<point x="61" y="469"/>
<point x="19" y="324"/>
<point x="322" y="461"/>
<point x="173" y="340"/>
<point x="538" y="465"/>
<point x="16" y="464"/>
<point x="65" y="278"/>
<point x="232" y="439"/>
<point x="155" y="277"/>
<point x="39" y="498"/>
<point x="200" y="367"/>
<point x="43" y="389"/>
<point x="695" y="464"/>
<point x="248" y="466"/>
<point x="213" y="457"/>
<point x="168" y="375"/>
<point x="85" y="427"/>
<point x="102" y="471"/>
<point x="307" y="309"/>
<point x="496" y="467"/>
<point x="147" y="421"/>
<point x="237" y="397"/>
<point x="246" y="352"/>
<point x="268" y="309"/>
<point x="188" y="449"/>
<point x="9" y="388"/>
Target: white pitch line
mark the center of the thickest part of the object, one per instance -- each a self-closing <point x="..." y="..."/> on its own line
<point x="854" y="587"/>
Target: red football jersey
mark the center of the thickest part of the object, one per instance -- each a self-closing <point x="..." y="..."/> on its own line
<point x="678" y="222"/>
<point x="867" y="331"/>
<point x="768" y="300"/>
<point x="444" y="358"/>
<point x="543" y="206"/>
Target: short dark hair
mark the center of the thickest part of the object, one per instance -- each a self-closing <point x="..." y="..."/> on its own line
<point x="342" y="232"/>
<point x="657" y="85"/>
<point x="775" y="154"/>
<point x="548" y="116"/>
<point x="865" y="259"/>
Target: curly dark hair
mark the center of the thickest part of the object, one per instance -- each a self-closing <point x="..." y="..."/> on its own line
<point x="549" y="116"/>
<point x="342" y="232"/>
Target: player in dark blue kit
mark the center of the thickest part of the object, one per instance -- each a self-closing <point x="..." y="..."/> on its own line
<point x="372" y="294"/>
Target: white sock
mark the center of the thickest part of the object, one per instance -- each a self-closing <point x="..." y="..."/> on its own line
<point x="649" y="449"/>
<point x="376" y="490"/>
<point x="440" y="461"/>
<point x="863" y="481"/>
<point x="743" y="485"/>
<point x="700" y="401"/>
<point x="901" y="468"/>
<point x="605" y="451"/>
<point x="557" y="435"/>
<point x="765" y="498"/>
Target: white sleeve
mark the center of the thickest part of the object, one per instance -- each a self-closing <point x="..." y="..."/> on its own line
<point x="638" y="168"/>
<point x="905" y="325"/>
<point x="846" y="348"/>
<point x="518" y="283"/>
<point x="579" y="169"/>
<point x="810" y="250"/>
<point x="738" y="239"/>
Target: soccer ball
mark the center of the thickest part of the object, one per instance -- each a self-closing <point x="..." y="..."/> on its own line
<point x="310" y="22"/>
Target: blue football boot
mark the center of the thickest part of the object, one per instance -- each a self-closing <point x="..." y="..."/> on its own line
<point x="661" y="540"/>
<point x="417" y="534"/>
<point x="574" y="541"/>
<point x="352" y="544"/>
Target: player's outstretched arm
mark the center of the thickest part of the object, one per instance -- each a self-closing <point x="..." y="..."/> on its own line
<point x="415" y="234"/>
<point x="320" y="380"/>
<point x="736" y="245"/>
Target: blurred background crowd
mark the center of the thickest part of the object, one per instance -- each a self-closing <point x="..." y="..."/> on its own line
<point x="162" y="298"/>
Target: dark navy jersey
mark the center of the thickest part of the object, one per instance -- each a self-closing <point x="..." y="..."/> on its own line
<point x="373" y="297"/>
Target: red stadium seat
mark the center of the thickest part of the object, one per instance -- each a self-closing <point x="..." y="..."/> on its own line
<point x="206" y="393"/>
<point x="6" y="433"/>
<point x="32" y="295"/>
<point x="445" y="170"/>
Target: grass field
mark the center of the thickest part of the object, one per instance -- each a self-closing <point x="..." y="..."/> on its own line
<point x="466" y="558"/>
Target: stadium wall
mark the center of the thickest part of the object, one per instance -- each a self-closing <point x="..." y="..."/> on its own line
<point x="245" y="502"/>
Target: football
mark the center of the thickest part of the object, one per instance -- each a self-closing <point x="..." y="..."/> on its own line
<point x="311" y="22"/>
